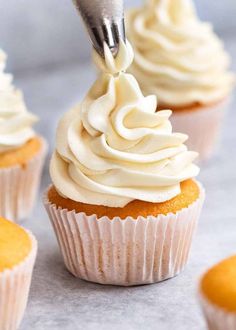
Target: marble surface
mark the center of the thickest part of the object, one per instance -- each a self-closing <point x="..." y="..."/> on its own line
<point x="60" y="301"/>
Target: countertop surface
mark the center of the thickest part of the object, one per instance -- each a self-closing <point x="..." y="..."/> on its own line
<point x="60" y="301"/>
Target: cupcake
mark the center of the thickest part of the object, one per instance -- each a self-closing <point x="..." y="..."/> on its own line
<point x="18" y="249"/>
<point x="22" y="152"/>
<point x="123" y="203"/>
<point x="218" y="295"/>
<point x="181" y="60"/>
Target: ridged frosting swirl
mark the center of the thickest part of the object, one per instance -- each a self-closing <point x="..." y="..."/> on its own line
<point x="177" y="57"/>
<point x="15" y="121"/>
<point x="114" y="147"/>
<point x="112" y="65"/>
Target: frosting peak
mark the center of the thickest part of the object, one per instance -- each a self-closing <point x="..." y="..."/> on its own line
<point x="15" y="121"/>
<point x="114" y="147"/>
<point x="112" y="65"/>
<point x="177" y="57"/>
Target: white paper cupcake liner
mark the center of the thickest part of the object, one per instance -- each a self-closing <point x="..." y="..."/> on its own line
<point x="14" y="290"/>
<point x="203" y="127"/>
<point x="125" y="252"/>
<point x="19" y="186"/>
<point x="217" y="318"/>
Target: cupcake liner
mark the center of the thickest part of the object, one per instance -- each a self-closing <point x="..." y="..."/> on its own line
<point x="217" y="318"/>
<point x="124" y="252"/>
<point x="19" y="186"/>
<point x="202" y="126"/>
<point x="14" y="290"/>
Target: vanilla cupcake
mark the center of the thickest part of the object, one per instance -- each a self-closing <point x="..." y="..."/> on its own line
<point x="181" y="60"/>
<point x="18" y="250"/>
<point x="123" y="203"/>
<point x="22" y="152"/>
<point x="218" y="295"/>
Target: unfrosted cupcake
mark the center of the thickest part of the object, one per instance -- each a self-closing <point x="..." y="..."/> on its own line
<point x="123" y="203"/>
<point x="18" y="250"/>
<point x="218" y="295"/>
<point x="22" y="151"/>
<point x="181" y="60"/>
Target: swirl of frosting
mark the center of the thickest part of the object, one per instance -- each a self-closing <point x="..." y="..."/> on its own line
<point x="120" y="62"/>
<point x="15" y="121"/>
<point x="177" y="57"/>
<point x="114" y="147"/>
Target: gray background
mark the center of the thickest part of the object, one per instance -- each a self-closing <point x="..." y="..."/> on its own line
<point x="47" y="33"/>
<point x="50" y="56"/>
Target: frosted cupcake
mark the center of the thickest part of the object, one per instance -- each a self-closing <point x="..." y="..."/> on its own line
<point x="18" y="250"/>
<point x="218" y="295"/>
<point x="123" y="203"/>
<point x="22" y="152"/>
<point x="181" y="60"/>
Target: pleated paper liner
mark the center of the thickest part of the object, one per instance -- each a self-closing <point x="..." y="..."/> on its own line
<point x="203" y="127"/>
<point x="125" y="252"/>
<point x="14" y="290"/>
<point x="19" y="186"/>
<point x="217" y="318"/>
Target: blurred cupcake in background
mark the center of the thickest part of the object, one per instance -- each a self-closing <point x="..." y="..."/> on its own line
<point x="18" y="249"/>
<point x="124" y="203"/>
<point x="217" y="293"/>
<point x="182" y="61"/>
<point x="22" y="151"/>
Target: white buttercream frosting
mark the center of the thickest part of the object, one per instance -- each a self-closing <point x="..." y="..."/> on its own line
<point x="15" y="121"/>
<point x="177" y="57"/>
<point x="114" y="147"/>
<point x="111" y="64"/>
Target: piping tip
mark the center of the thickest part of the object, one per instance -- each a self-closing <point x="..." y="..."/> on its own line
<point x="104" y="21"/>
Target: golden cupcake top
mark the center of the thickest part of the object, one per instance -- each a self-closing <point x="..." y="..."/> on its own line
<point x="218" y="284"/>
<point x="190" y="192"/>
<point x="15" y="244"/>
<point x="21" y="155"/>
